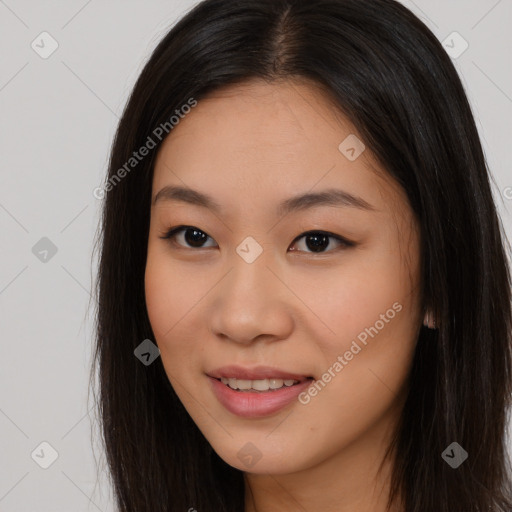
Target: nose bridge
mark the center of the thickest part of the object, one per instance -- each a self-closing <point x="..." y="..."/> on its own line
<point x="250" y="279"/>
<point x="248" y="303"/>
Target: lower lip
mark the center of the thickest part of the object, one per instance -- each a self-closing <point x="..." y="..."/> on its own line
<point x="254" y="405"/>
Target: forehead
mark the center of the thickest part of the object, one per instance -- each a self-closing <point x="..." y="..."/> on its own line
<point x="259" y="143"/>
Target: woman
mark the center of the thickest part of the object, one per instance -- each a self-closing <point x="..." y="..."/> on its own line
<point x="298" y="214"/>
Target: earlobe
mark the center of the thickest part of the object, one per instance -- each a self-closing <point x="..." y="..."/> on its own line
<point x="429" y="320"/>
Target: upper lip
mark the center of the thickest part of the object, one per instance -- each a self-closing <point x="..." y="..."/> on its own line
<point x="254" y="373"/>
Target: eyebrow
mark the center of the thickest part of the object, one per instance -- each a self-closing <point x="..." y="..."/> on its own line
<point x="329" y="197"/>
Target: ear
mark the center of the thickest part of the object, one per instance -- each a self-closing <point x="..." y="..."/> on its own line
<point x="429" y="320"/>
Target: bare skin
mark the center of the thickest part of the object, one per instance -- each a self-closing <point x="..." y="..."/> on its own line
<point x="250" y="147"/>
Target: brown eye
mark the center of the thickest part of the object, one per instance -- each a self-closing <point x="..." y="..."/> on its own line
<point x="320" y="241"/>
<point x="192" y="237"/>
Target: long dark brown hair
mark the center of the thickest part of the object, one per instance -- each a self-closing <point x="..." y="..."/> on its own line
<point x="386" y="71"/>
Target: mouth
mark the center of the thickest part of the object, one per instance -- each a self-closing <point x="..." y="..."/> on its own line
<point x="258" y="391"/>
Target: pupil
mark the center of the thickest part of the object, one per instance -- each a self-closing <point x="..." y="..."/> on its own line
<point x="318" y="243"/>
<point x="197" y="239"/>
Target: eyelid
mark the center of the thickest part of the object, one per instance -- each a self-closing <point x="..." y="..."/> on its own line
<point x="170" y="233"/>
<point x="344" y="242"/>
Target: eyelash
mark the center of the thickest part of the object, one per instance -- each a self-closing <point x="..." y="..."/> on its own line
<point x="171" y="234"/>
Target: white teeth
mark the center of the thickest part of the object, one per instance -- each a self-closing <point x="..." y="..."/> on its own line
<point x="243" y="384"/>
<point x="261" y="385"/>
<point x="257" y="385"/>
<point x="276" y="383"/>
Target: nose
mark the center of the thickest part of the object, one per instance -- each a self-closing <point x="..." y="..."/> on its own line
<point x="251" y="302"/>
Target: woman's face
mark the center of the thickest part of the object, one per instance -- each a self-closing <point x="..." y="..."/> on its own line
<point x="243" y="286"/>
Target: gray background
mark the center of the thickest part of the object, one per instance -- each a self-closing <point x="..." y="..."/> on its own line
<point x="58" y="117"/>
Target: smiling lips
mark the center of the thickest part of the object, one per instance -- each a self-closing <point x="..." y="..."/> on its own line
<point x="256" y="392"/>
<point x="256" y="373"/>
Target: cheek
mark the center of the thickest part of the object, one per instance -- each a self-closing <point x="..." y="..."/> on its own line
<point x="168" y="289"/>
<point x="351" y="300"/>
<point x="373" y="311"/>
<point x="166" y="296"/>
<point x="172" y="301"/>
<point x="159" y="296"/>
